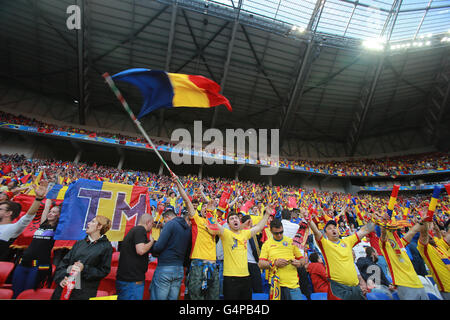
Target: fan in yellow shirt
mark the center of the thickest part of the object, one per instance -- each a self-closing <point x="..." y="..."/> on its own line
<point x="437" y="260"/>
<point x="409" y="286"/>
<point x="204" y="273"/>
<point x="279" y="251"/>
<point x="338" y="257"/>
<point x="236" y="278"/>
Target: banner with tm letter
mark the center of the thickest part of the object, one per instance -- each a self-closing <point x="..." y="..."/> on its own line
<point x="85" y="199"/>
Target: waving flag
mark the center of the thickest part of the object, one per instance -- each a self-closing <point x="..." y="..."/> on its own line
<point x="85" y="199"/>
<point x="161" y="89"/>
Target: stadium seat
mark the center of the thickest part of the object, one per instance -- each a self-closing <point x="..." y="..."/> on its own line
<point x="148" y="280"/>
<point x="101" y="293"/>
<point x="39" y="294"/>
<point x="395" y="296"/>
<point x="260" y="296"/>
<point x="6" y="294"/>
<point x="377" y="296"/>
<point x="319" y="296"/>
<point x="108" y="285"/>
<point x="112" y="274"/>
<point x="433" y="297"/>
<point x="5" y="270"/>
<point x="115" y="259"/>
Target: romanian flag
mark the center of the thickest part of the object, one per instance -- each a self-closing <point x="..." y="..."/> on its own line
<point x="393" y="199"/>
<point x="85" y="199"/>
<point x="433" y="203"/>
<point x="57" y="192"/>
<point x="406" y="210"/>
<point x="161" y="89"/>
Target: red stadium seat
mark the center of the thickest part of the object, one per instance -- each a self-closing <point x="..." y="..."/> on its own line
<point x="5" y="270"/>
<point x="112" y="274"/>
<point x="101" y="293"/>
<point x="148" y="280"/>
<point x="115" y="259"/>
<point x="6" y="294"/>
<point x="39" y="294"/>
<point x="108" y="285"/>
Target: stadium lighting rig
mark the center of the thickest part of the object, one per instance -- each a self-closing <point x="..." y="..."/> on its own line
<point x="422" y="41"/>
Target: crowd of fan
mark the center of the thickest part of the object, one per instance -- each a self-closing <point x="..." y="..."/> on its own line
<point x="255" y="227"/>
<point x="392" y="166"/>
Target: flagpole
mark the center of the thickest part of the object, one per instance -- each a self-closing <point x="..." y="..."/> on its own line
<point x="127" y="108"/>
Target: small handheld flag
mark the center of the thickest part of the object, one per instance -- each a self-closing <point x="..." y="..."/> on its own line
<point x="393" y="200"/>
<point x="433" y="203"/>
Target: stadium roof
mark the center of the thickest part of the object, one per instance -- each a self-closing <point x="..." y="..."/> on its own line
<point x="330" y="71"/>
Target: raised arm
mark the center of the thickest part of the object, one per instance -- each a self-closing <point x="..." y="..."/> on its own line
<point x="366" y="229"/>
<point x="261" y="224"/>
<point x="413" y="230"/>
<point x="40" y="192"/>
<point x="48" y="203"/>
<point x="317" y="234"/>
<point x="189" y="205"/>
<point x="423" y="233"/>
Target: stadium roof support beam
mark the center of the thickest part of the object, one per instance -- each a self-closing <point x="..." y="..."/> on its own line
<point x="259" y="64"/>
<point x="439" y="101"/>
<point x="228" y="59"/>
<point x="81" y="52"/>
<point x="168" y="57"/>
<point x="303" y="73"/>
<point x="366" y="99"/>
<point x="200" y="49"/>
<point x="132" y="36"/>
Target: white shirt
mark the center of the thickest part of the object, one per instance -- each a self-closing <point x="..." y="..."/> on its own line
<point x="219" y="247"/>
<point x="290" y="229"/>
<point x="13" y="230"/>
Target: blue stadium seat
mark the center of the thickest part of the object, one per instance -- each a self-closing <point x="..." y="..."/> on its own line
<point x="395" y="296"/>
<point x="319" y="296"/>
<point x="260" y="296"/>
<point x="304" y="297"/>
<point x="377" y="296"/>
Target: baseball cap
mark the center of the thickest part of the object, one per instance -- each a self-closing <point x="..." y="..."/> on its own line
<point x="329" y="222"/>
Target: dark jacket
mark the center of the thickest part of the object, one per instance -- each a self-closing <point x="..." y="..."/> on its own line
<point x="173" y="243"/>
<point x="363" y="263"/>
<point x="96" y="258"/>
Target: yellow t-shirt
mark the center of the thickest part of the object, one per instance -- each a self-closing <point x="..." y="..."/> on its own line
<point x="399" y="263"/>
<point x="339" y="259"/>
<point x="438" y="261"/>
<point x="155" y="233"/>
<point x="282" y="249"/>
<point x="203" y="243"/>
<point x="235" y="253"/>
<point x="441" y="242"/>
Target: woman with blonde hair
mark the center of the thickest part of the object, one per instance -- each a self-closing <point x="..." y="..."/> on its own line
<point x="91" y="256"/>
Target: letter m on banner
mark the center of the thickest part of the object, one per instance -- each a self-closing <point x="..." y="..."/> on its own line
<point x="85" y="199"/>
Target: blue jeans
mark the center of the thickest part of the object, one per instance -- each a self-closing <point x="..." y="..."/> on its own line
<point x="291" y="294"/>
<point x="220" y="263"/>
<point x="129" y="290"/>
<point x="383" y="265"/>
<point x="166" y="283"/>
<point x="407" y="293"/>
<point x="24" y="278"/>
